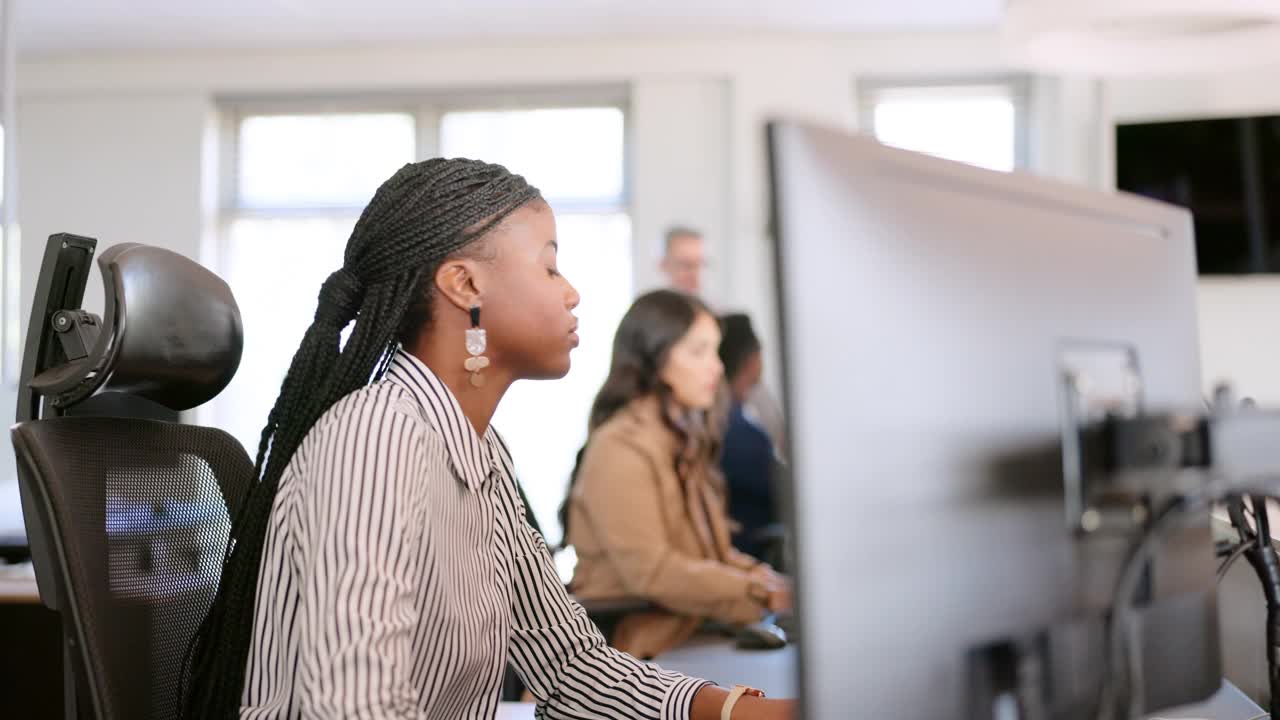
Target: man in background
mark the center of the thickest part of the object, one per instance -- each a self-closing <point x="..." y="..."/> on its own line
<point x="684" y="259"/>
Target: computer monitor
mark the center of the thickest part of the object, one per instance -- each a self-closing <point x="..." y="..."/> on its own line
<point x="927" y="309"/>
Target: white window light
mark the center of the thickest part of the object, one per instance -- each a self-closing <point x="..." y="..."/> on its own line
<point x="976" y="123"/>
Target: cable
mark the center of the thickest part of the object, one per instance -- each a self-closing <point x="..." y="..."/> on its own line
<point x="1236" y="510"/>
<point x="1115" y="697"/>
<point x="1236" y="553"/>
<point x="1116" y="665"/>
<point x="1266" y="562"/>
<point x="1223" y="548"/>
<point x="1262" y="519"/>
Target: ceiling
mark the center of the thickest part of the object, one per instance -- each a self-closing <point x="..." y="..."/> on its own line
<point x="66" y="26"/>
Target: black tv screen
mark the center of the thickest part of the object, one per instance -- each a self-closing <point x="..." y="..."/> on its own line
<point x="1225" y="171"/>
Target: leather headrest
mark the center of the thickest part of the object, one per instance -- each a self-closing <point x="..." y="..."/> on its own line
<point x="171" y="333"/>
<point x="178" y="334"/>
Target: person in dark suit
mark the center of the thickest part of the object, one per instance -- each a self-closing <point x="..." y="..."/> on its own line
<point x="748" y="453"/>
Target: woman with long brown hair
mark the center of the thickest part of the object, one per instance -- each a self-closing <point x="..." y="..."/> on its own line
<point x="646" y="509"/>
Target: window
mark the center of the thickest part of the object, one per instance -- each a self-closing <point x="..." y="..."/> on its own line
<point x="298" y="186"/>
<point x="978" y="123"/>
<point x="573" y="155"/>
<point x="300" y="182"/>
<point x="319" y="161"/>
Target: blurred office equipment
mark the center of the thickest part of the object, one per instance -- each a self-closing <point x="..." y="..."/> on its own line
<point x="930" y="313"/>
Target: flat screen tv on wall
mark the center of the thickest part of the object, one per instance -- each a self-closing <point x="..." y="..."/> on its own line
<point x="1225" y="171"/>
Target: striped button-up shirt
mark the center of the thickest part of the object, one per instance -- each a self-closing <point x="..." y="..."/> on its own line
<point x="400" y="576"/>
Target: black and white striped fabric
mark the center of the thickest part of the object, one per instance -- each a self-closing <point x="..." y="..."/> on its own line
<point x="400" y="576"/>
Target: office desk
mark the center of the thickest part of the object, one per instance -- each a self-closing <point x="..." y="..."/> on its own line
<point x="21" y="593"/>
<point x="1228" y="704"/>
<point x="18" y="584"/>
<point x="716" y="659"/>
<point x="30" y="649"/>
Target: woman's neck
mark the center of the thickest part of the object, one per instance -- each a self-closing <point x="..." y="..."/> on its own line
<point x="478" y="403"/>
<point x="663" y="406"/>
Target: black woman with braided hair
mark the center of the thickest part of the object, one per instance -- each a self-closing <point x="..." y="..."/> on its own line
<point x="381" y="565"/>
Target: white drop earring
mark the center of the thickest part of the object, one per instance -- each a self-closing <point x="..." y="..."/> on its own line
<point x="477" y="342"/>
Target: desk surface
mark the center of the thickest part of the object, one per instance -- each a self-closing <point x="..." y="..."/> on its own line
<point x="716" y="659"/>
<point x="1228" y="704"/>
<point x="18" y="584"/>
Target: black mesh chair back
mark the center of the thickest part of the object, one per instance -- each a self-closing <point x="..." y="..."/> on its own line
<point x="135" y="514"/>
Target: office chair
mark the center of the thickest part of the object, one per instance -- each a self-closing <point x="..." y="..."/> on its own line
<point x="127" y="516"/>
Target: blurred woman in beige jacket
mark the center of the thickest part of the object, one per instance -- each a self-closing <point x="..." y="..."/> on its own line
<point x="646" y="512"/>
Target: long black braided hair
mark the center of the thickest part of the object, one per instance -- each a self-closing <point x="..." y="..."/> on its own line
<point x="424" y="214"/>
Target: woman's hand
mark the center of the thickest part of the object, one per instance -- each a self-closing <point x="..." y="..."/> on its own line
<point x="766" y="574"/>
<point x="780" y="600"/>
<point x="778" y="588"/>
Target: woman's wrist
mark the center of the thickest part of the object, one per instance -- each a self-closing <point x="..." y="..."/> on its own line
<point x="709" y="701"/>
<point x="754" y="708"/>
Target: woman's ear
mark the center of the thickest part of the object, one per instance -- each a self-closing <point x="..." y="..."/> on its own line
<point x="458" y="281"/>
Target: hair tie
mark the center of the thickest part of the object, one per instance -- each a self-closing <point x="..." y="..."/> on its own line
<point x="340" y="298"/>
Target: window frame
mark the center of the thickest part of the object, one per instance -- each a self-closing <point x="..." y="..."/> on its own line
<point x="871" y="91"/>
<point x="427" y="110"/>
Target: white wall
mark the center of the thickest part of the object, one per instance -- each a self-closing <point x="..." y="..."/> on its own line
<point x="1212" y="95"/>
<point x="1239" y="335"/>
<point x="121" y="168"/>
<point x="679" y="157"/>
